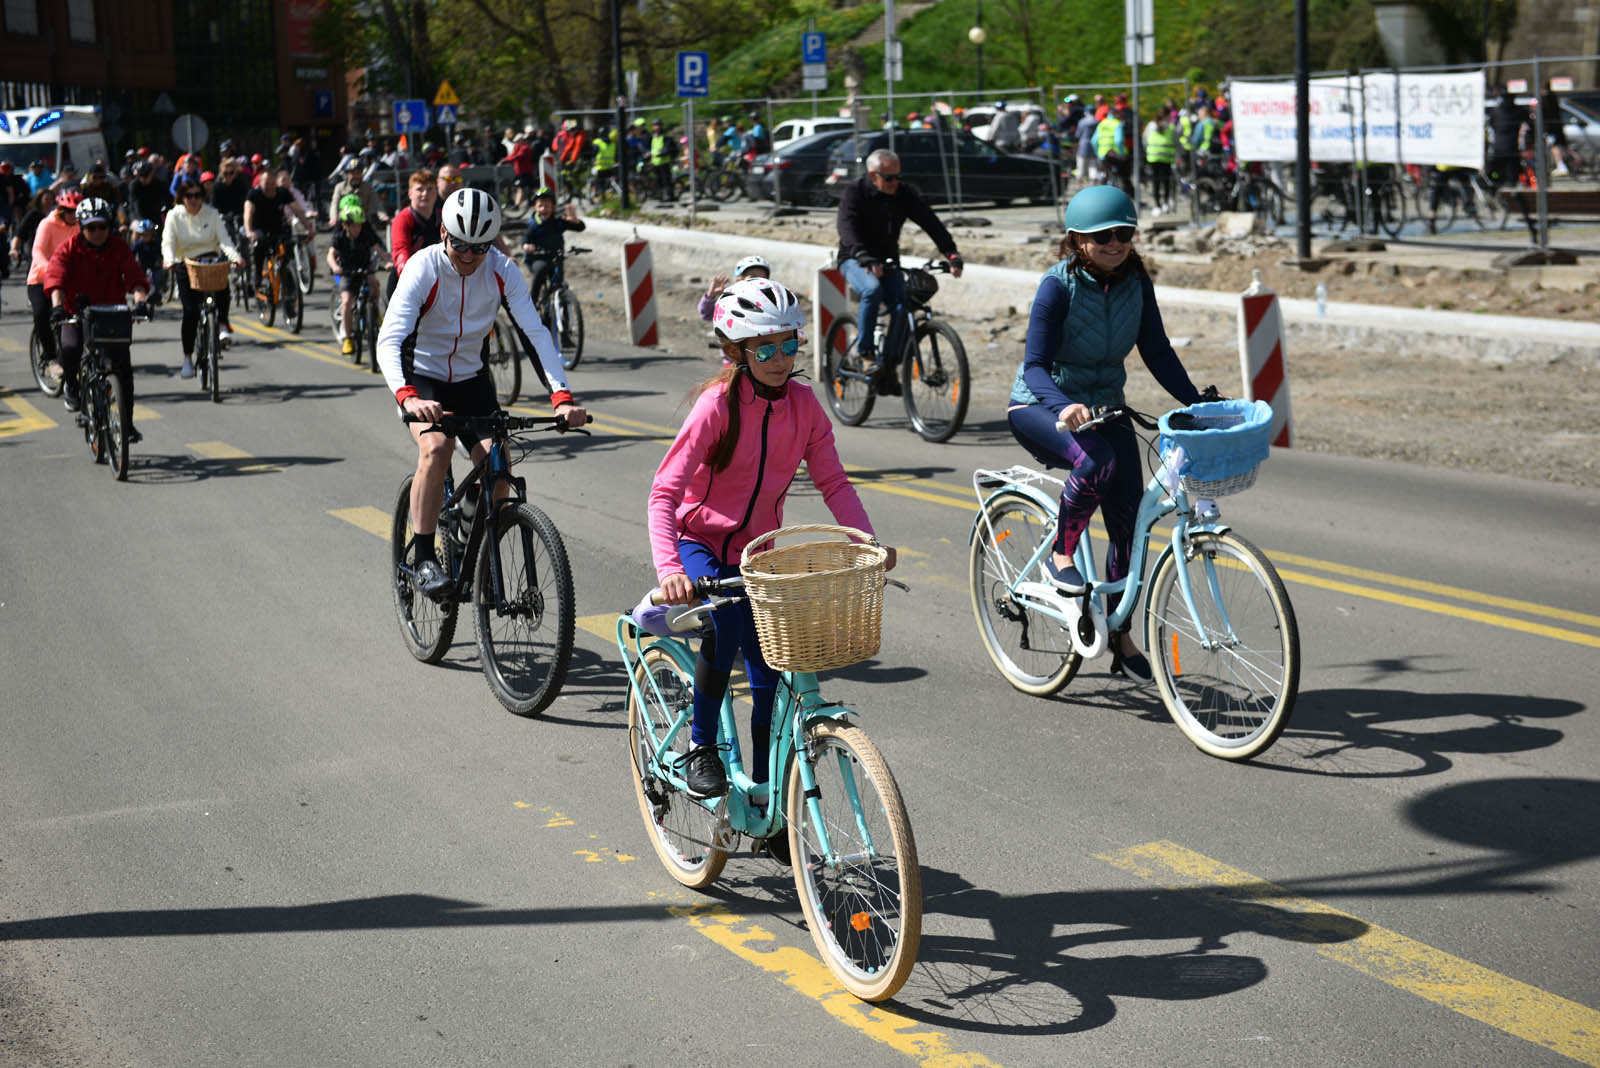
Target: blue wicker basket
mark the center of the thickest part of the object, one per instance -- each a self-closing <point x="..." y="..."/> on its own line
<point x="1223" y="445"/>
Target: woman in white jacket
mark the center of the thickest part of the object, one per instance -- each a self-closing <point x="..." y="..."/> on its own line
<point x="192" y="230"/>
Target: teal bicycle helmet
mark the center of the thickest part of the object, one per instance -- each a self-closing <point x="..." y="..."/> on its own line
<point x="1098" y="207"/>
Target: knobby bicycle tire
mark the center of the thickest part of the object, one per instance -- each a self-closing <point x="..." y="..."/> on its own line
<point x="1034" y="652"/>
<point x="426" y="626"/>
<point x="681" y="829"/>
<point x="934" y="381"/>
<point x="526" y="648"/>
<point x="862" y="903"/>
<point x="1233" y="699"/>
<point x="849" y="392"/>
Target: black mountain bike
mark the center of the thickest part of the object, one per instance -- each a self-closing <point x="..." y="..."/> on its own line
<point x="934" y="382"/>
<point x="562" y="316"/>
<point x="364" y="320"/>
<point x="518" y="581"/>
<point x="106" y="413"/>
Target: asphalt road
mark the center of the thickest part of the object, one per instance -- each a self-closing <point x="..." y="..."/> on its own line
<point x="242" y="826"/>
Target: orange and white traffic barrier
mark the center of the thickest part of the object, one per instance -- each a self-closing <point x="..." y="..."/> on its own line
<point x="829" y="299"/>
<point x="640" y="289"/>
<point x="550" y="174"/>
<point x="1266" y="376"/>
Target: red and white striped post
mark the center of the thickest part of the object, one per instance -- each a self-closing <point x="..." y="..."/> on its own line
<point x="550" y="174"/>
<point x="1266" y="376"/>
<point x="640" y="291"/>
<point x="829" y="300"/>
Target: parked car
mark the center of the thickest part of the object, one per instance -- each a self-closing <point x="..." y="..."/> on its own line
<point x="979" y="170"/>
<point x="790" y="130"/>
<point x="800" y="167"/>
<point x="978" y="118"/>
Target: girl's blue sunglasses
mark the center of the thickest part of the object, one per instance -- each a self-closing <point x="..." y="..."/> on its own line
<point x="767" y="352"/>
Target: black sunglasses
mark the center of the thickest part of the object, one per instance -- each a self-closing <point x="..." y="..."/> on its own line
<point x="1120" y="234"/>
<point x="476" y="250"/>
<point x="87" y="227"/>
<point x="888" y="177"/>
<point x="194" y="196"/>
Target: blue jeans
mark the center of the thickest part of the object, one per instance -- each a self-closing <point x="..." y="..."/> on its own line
<point x="874" y="290"/>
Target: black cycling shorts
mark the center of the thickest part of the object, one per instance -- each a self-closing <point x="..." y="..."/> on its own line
<point x="467" y="396"/>
<point x="350" y="281"/>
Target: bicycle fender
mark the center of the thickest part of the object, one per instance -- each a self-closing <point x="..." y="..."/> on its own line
<point x="1033" y="493"/>
<point x="1194" y="528"/>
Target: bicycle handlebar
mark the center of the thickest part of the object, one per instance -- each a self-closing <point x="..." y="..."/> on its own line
<point x="500" y="420"/>
<point x="1107" y="413"/>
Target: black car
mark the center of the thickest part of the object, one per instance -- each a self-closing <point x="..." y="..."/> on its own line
<point x="801" y="166"/>
<point x="978" y="169"/>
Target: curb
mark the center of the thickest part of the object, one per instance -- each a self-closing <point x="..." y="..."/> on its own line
<point x="982" y="289"/>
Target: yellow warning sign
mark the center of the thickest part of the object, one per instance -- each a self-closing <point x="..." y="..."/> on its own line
<point x="445" y="96"/>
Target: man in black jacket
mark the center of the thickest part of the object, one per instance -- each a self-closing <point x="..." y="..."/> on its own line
<point x="871" y="212"/>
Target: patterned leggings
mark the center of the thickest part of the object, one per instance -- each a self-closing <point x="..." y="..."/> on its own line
<point x="1103" y="471"/>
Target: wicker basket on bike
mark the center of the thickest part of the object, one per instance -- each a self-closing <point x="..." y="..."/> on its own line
<point x="817" y="605"/>
<point x="920" y="286"/>
<point x="1223" y="444"/>
<point x="207" y="275"/>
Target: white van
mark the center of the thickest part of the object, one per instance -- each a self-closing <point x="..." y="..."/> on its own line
<point x="794" y="129"/>
<point x="52" y="134"/>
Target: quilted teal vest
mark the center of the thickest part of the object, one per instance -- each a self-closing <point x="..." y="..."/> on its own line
<point x="1102" y="327"/>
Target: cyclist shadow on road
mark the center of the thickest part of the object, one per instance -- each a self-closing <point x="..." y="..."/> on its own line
<point x="262" y="393"/>
<point x="156" y="469"/>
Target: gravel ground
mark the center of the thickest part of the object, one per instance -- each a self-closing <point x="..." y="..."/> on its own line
<point x="1524" y="420"/>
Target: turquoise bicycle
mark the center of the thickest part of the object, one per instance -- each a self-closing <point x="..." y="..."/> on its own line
<point x="828" y="787"/>
<point x="1219" y="629"/>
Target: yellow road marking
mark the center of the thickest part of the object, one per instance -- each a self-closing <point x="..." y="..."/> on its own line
<point x="292" y="342"/>
<point x="29" y="418"/>
<point x="11" y="345"/>
<point x="221" y="450"/>
<point x="372" y="520"/>
<point x="1540" y="1017"/>
<point x="144" y="415"/>
<point x="800" y="971"/>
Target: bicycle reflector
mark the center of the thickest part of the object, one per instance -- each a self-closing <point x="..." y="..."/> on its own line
<point x="860" y="921"/>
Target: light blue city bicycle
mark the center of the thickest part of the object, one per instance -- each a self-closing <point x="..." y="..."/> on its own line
<point x="1219" y="630"/>
<point x="828" y="788"/>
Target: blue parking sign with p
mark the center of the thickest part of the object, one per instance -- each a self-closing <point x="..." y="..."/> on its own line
<point x="694" y="74"/>
<point x="813" y="48"/>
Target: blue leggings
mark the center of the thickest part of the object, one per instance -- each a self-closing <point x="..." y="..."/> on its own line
<point x="1103" y="471"/>
<point x="732" y="627"/>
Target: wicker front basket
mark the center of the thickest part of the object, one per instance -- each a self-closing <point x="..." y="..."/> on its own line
<point x="818" y="605"/>
<point x="207" y="277"/>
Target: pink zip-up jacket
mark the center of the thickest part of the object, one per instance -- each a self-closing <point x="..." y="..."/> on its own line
<point x="728" y="509"/>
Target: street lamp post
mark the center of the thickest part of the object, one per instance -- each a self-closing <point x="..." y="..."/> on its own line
<point x="977" y="35"/>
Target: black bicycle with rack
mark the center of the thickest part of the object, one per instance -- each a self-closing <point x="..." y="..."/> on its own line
<point x="518" y="580"/>
<point x="934" y="382"/>
<point x="561" y="314"/>
<point x="106" y="412"/>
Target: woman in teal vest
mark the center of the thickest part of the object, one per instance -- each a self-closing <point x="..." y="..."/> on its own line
<point x="1091" y="309"/>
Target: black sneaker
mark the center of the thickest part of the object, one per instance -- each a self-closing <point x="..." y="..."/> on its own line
<point x="1133" y="665"/>
<point x="703" y="773"/>
<point x="889" y="381"/>
<point x="432" y="581"/>
<point x="134" y="437"/>
<point x="69" y="397"/>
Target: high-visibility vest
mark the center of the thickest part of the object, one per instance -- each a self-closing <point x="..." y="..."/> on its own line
<point x="660" y="150"/>
<point x="1158" y="144"/>
<point x="1185" y="128"/>
<point x="605" y="154"/>
<point x="1207" y="130"/>
<point x="1105" y="136"/>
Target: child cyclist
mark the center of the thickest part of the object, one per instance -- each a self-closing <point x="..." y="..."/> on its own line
<point x="350" y="260"/>
<point x="1090" y="310"/>
<point x="722" y="486"/>
<point x="749" y="267"/>
<point x="544" y="238"/>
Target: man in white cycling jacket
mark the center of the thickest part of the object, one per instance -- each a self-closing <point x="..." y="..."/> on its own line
<point x="432" y="345"/>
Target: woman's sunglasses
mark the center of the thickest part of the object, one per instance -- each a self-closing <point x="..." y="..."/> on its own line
<point x="476" y="250"/>
<point x="763" y="353"/>
<point x="1120" y="234"/>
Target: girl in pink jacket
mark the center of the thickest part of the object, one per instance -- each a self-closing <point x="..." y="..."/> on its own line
<point x="722" y="486"/>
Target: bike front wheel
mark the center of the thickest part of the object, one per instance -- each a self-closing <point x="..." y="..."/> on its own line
<point x="1390" y="204"/>
<point x="862" y="893"/>
<point x="119" y="409"/>
<point x="681" y="829"/>
<point x="1233" y="694"/>
<point x="935" y="382"/>
<point x="845" y="382"/>
<point x="302" y="267"/>
<point x="369" y="332"/>
<point x="41" y="361"/>
<point x="1033" y="651"/>
<point x="504" y="366"/>
<point x="294" y="305"/>
<point x="525" y="628"/>
<point x="569" y="328"/>
<point x="267" y="304"/>
<point x="213" y="328"/>
<point x="426" y="625"/>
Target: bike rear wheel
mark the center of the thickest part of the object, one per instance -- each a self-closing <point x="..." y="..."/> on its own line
<point x="1234" y="698"/>
<point x="40" y="360"/>
<point x="1034" y="652"/>
<point x="569" y="328"/>
<point x="681" y="829"/>
<point x="526" y="646"/>
<point x="862" y="896"/>
<point x="119" y="409"/>
<point x="1390" y="203"/>
<point x="846" y="385"/>
<point x="426" y="626"/>
<point x="1330" y="210"/>
<point x="935" y="382"/>
<point x="504" y="365"/>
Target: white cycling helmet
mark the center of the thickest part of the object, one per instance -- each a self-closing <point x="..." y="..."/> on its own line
<point x="471" y="215"/>
<point x="749" y="262"/>
<point x="757" y="307"/>
<point x="96" y="209"/>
